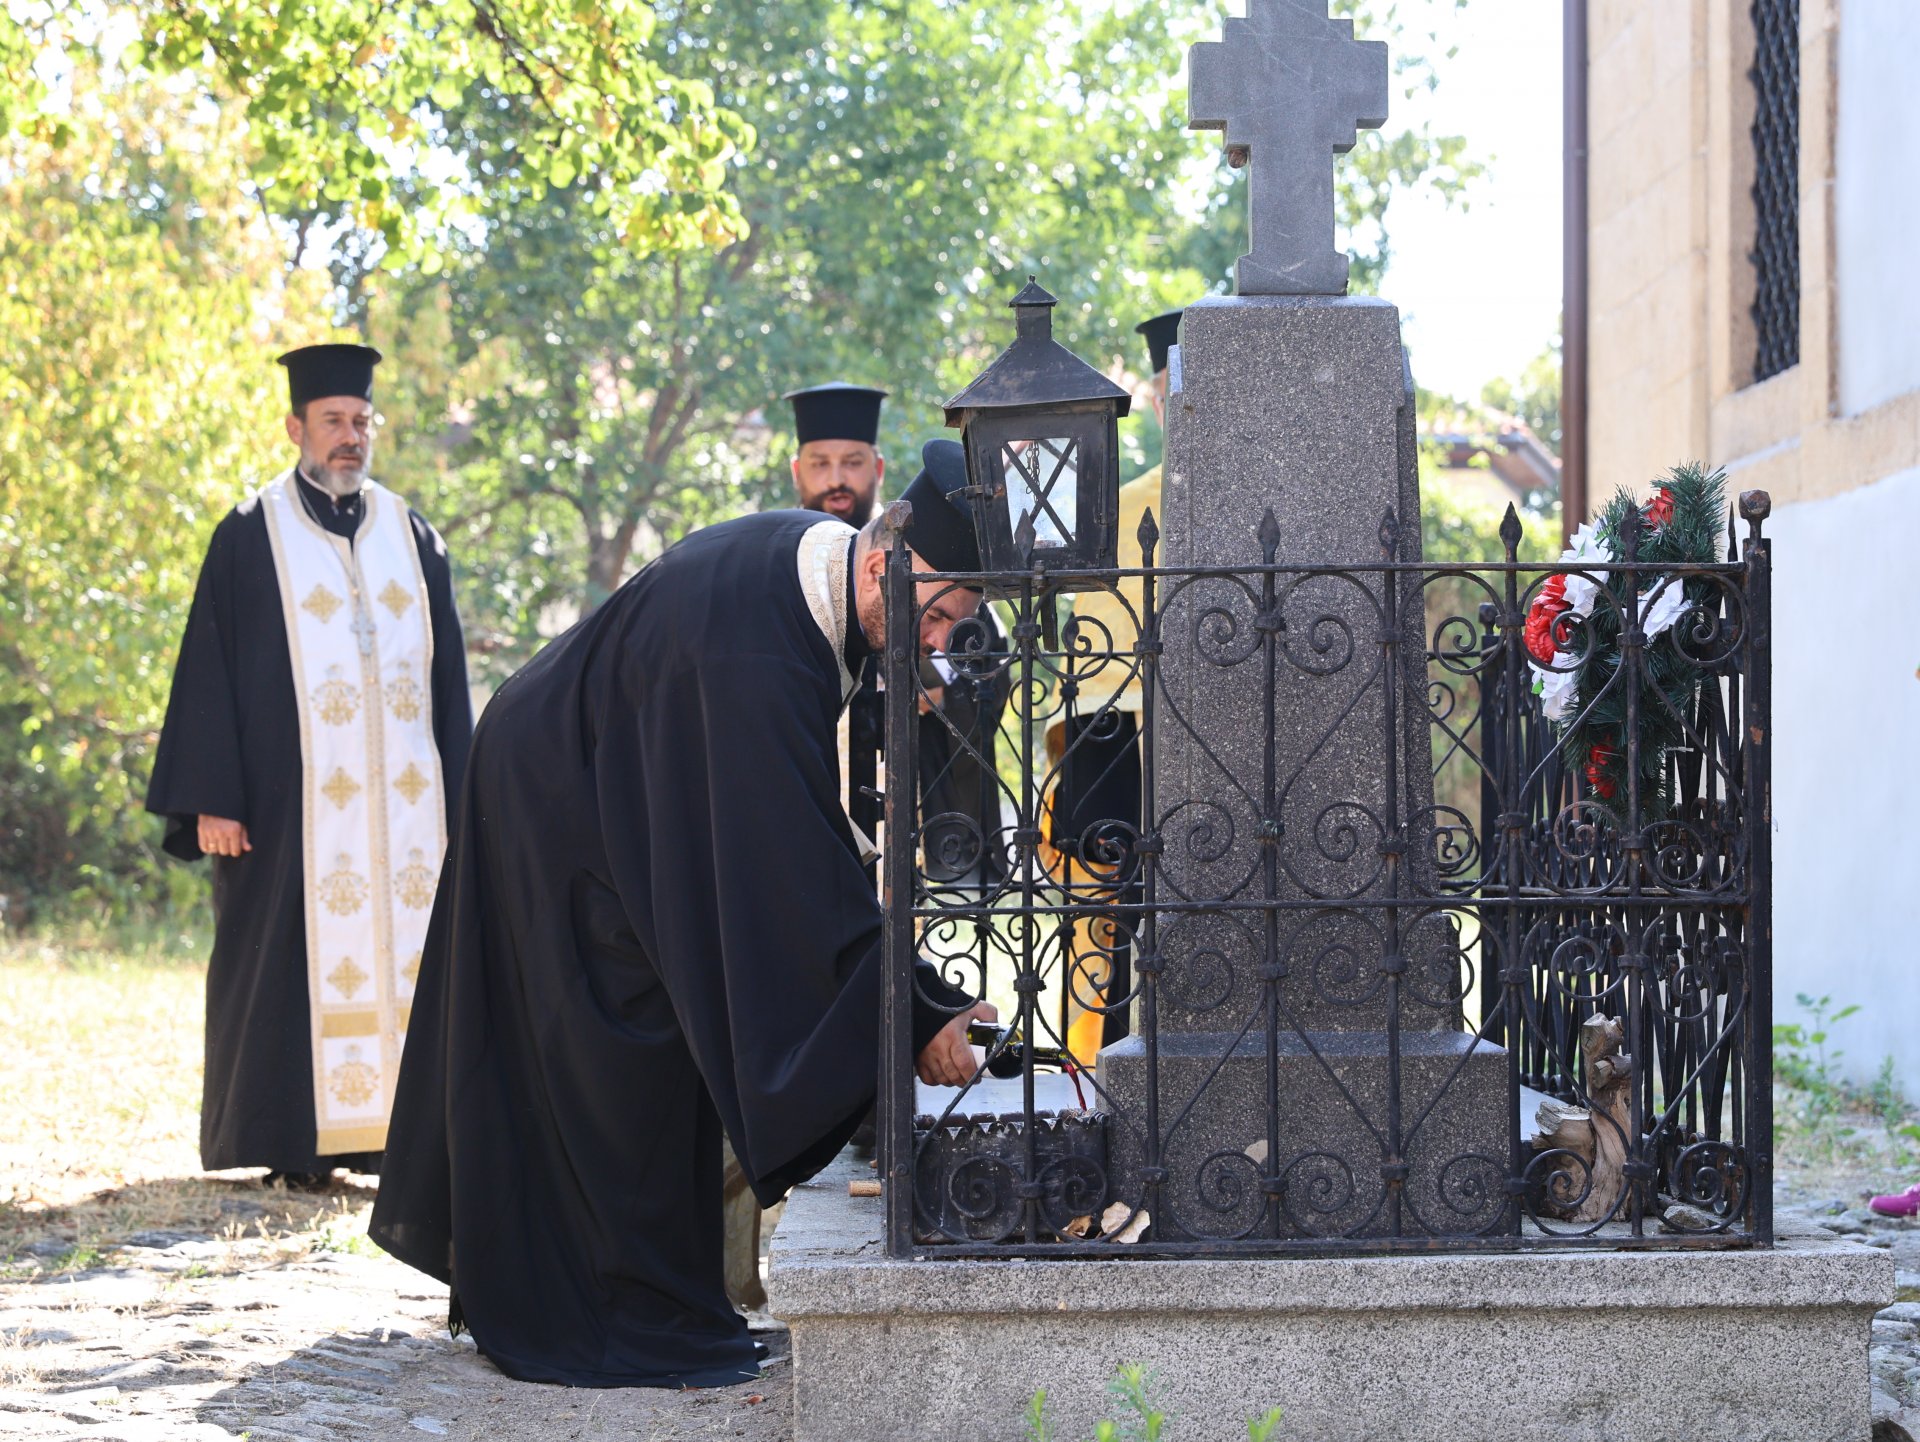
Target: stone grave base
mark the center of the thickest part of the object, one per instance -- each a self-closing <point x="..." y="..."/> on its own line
<point x="1453" y="1107"/>
<point x="1707" y="1346"/>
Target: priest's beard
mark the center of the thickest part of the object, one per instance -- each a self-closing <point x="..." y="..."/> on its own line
<point x="870" y="610"/>
<point x="340" y="474"/>
<point x="858" y="516"/>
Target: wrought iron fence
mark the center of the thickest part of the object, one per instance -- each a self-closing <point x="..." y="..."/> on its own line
<point x="1372" y="965"/>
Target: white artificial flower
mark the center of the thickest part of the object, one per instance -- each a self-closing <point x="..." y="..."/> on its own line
<point x="1588" y="548"/>
<point x="1658" y="612"/>
<point x="1557" y="690"/>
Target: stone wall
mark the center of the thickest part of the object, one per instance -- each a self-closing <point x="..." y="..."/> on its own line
<point x="1671" y="223"/>
<point x="1835" y="439"/>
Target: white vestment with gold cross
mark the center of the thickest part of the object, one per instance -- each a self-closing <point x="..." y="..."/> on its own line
<point x="372" y="798"/>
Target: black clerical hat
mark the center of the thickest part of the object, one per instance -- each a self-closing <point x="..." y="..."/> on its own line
<point x="942" y="532"/>
<point x="836" y="411"/>
<point x="1163" y="334"/>
<point x="315" y="372"/>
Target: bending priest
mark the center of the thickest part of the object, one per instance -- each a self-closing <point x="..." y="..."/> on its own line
<point x="654" y="927"/>
<point x="319" y="719"/>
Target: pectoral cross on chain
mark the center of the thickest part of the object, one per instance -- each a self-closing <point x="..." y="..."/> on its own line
<point x="1291" y="89"/>
<point x="362" y="624"/>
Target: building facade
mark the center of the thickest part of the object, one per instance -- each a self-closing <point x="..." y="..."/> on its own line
<point x="1753" y="268"/>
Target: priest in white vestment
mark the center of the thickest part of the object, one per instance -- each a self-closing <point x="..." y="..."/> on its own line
<point x="318" y="724"/>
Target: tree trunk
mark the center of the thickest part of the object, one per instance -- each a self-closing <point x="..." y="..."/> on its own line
<point x="606" y="565"/>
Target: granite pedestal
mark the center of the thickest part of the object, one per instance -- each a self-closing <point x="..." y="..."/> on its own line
<point x="1750" y="1345"/>
<point x="1294" y="809"/>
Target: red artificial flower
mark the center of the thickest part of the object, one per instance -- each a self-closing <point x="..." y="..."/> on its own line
<point x="1541" y="615"/>
<point x="1659" y="510"/>
<point x="1600" y="757"/>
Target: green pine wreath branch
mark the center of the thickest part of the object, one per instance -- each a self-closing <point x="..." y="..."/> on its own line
<point x="1594" y="742"/>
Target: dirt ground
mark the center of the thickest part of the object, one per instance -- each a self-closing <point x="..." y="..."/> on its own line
<point x="143" y="1299"/>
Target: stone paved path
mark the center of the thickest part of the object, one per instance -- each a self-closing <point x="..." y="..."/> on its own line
<point x="1894" y="1359"/>
<point x="199" y="1338"/>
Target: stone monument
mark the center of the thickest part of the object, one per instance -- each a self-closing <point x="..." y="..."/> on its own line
<point x="1308" y="787"/>
<point x="1292" y="398"/>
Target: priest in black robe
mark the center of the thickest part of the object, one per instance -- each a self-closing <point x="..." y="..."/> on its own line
<point x="838" y="470"/>
<point x="654" y="929"/>
<point x="227" y="776"/>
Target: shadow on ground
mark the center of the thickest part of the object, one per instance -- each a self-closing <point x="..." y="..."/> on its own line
<point x="385" y="1383"/>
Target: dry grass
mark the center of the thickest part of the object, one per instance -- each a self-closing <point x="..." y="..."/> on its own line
<point x="17" y="1368"/>
<point x="100" y="1084"/>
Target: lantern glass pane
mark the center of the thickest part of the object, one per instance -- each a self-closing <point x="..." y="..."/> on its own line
<point x="1043" y="488"/>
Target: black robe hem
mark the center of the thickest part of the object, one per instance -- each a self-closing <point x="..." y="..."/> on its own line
<point x="720" y="1374"/>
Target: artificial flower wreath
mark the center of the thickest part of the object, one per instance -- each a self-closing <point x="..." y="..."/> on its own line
<point x="1574" y="644"/>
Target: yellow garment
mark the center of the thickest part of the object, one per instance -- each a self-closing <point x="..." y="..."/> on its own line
<point x="1120" y="613"/>
<point x="1091" y="967"/>
<point x="1092" y="970"/>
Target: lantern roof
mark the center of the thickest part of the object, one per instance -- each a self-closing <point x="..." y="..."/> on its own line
<point x="1036" y="371"/>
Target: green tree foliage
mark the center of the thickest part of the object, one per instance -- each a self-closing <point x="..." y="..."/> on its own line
<point x="139" y="291"/>
<point x="915" y="163"/>
<point x="1534" y="397"/>
<point x="596" y="240"/>
<point x="912" y="160"/>
<point x="346" y="105"/>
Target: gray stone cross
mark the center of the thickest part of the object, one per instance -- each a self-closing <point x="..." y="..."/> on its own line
<point x="1290" y="88"/>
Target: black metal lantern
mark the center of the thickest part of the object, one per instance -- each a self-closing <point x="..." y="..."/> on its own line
<point x="1041" y="431"/>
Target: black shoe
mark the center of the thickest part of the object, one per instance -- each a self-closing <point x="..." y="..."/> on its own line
<point x="761" y="1351"/>
<point x="298" y="1181"/>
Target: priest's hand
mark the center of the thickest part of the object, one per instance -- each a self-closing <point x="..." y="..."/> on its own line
<point x="221" y="837"/>
<point x="947" y="1060"/>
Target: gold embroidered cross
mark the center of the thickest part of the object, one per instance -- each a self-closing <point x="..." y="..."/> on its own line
<point x="346" y="978"/>
<point x="410" y="783"/>
<point x="340" y="788"/>
<point x="321" y="604"/>
<point x="395" y="599"/>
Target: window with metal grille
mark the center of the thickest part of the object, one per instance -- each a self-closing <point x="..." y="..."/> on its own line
<point x="1776" y="185"/>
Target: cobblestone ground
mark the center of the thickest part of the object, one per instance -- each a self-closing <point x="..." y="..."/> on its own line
<point x="1893" y="1360"/>
<point x="141" y="1298"/>
<point x="197" y="1338"/>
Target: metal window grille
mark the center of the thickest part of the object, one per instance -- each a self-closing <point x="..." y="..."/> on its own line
<point x="1776" y="183"/>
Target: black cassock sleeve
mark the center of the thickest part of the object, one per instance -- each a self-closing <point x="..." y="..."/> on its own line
<point x="728" y="843"/>
<point x="197" y="766"/>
